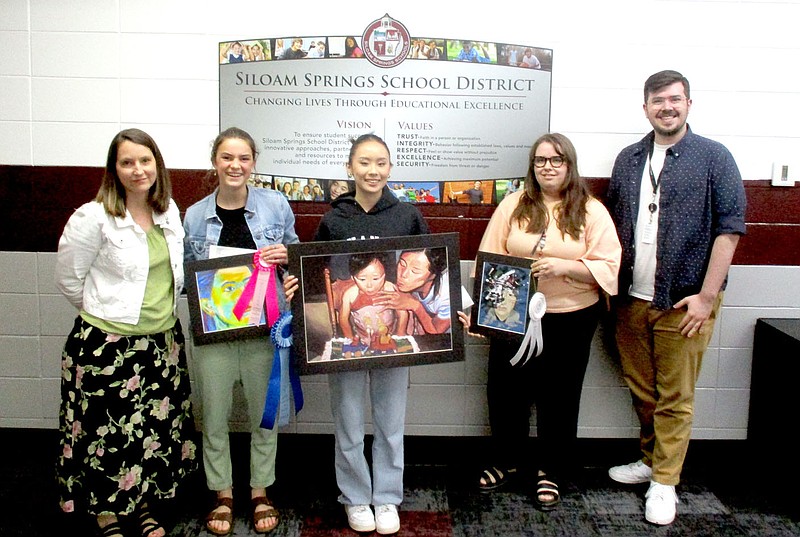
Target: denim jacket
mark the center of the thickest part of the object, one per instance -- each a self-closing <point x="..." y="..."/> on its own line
<point x="102" y="263"/>
<point x="267" y="213"/>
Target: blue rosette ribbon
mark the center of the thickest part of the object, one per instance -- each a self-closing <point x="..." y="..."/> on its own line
<point x="282" y="376"/>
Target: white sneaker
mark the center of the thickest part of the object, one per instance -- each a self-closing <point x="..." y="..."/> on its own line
<point x="360" y="517"/>
<point x="660" y="505"/>
<point x="635" y="472"/>
<point x="386" y="519"/>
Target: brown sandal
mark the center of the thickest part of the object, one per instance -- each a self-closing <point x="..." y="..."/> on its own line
<point x="269" y="512"/>
<point x="225" y="516"/>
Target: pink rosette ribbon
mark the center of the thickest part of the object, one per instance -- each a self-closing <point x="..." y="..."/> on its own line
<point x="259" y="291"/>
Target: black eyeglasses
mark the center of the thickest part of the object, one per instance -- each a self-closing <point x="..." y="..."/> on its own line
<point x="556" y="161"/>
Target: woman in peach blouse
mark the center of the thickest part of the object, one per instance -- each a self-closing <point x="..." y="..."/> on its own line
<point x="575" y="252"/>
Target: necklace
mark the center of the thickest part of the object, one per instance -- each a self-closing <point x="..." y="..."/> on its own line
<point x="540" y="244"/>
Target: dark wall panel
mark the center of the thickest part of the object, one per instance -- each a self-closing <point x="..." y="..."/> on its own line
<point x="36" y="201"/>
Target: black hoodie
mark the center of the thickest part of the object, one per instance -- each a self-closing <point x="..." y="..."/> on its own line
<point x="389" y="218"/>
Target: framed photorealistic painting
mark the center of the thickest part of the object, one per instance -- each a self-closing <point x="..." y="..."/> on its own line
<point x="376" y="303"/>
<point x="503" y="288"/>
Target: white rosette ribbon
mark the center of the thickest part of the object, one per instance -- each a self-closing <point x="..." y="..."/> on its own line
<point x="533" y="335"/>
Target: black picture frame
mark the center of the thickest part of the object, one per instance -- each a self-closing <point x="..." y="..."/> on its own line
<point x="199" y="284"/>
<point x="320" y="346"/>
<point x="498" y="276"/>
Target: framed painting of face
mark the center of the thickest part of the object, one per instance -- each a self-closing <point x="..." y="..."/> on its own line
<point x="215" y="288"/>
<point x="503" y="288"/>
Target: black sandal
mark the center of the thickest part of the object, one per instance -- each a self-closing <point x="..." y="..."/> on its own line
<point x="546" y="488"/>
<point x="112" y="530"/>
<point x="147" y="524"/>
<point x="493" y="478"/>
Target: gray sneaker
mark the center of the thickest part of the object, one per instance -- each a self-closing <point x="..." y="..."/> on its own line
<point x="635" y="472"/>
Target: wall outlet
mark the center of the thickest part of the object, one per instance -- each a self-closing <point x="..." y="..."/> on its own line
<point x="780" y="174"/>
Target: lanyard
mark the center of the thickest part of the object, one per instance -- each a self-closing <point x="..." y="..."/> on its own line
<point x="654" y="182"/>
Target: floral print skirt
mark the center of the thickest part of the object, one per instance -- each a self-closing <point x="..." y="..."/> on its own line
<point x="125" y="425"/>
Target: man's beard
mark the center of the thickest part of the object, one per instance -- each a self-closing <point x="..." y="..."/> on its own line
<point x="667" y="133"/>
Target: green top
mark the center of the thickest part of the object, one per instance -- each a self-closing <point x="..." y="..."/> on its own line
<point x="156" y="313"/>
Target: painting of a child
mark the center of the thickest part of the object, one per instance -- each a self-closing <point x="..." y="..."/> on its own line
<point x="369" y="326"/>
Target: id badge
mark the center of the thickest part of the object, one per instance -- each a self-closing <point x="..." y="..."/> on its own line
<point x="649" y="233"/>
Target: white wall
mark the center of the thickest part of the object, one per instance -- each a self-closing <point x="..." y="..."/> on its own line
<point x="73" y="73"/>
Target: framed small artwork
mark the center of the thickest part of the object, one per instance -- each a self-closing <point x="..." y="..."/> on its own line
<point x="376" y="303"/>
<point x="214" y="287"/>
<point x="503" y="289"/>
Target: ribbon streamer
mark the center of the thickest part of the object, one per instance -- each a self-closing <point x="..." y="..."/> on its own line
<point x="533" y="335"/>
<point x="282" y="376"/>
<point x="260" y="290"/>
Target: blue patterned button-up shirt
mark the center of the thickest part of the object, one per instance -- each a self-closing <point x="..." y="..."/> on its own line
<point x="701" y="197"/>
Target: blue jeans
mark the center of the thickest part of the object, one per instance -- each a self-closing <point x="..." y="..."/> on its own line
<point x="388" y="391"/>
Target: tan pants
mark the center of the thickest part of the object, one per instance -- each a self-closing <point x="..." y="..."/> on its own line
<point x="661" y="368"/>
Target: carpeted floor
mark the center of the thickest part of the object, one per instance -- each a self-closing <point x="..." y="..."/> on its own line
<point x="721" y="494"/>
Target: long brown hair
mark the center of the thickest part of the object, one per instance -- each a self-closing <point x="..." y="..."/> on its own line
<point x="570" y="214"/>
<point x="227" y="134"/>
<point x="112" y="194"/>
<point x="211" y="179"/>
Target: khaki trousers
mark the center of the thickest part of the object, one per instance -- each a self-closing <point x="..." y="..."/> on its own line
<point x="660" y="366"/>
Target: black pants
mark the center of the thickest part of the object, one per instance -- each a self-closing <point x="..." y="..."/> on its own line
<point x="552" y="381"/>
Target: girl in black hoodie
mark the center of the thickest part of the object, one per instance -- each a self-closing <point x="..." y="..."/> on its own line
<point x="370" y="211"/>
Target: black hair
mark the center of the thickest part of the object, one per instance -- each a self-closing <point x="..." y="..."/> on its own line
<point x="437" y="264"/>
<point x="369" y="137"/>
<point x="359" y="262"/>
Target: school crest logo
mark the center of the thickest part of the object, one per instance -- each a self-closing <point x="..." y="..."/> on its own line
<point x="386" y="42"/>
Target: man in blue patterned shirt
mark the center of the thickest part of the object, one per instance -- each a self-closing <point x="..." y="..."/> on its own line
<point x="678" y="202"/>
